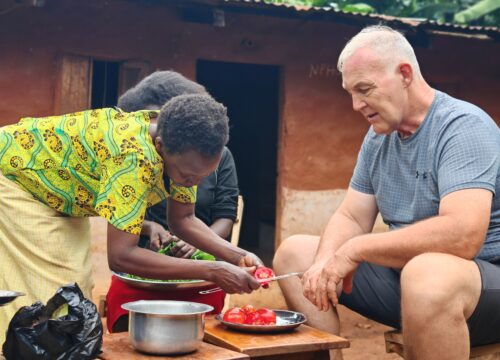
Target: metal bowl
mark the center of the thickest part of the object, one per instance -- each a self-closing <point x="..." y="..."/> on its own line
<point x="6" y="296"/>
<point x="165" y="327"/>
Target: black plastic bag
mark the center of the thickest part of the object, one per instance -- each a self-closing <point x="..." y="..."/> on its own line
<point x="68" y="328"/>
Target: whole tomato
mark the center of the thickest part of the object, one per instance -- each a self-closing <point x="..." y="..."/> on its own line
<point x="263" y="273"/>
<point x="234" y="315"/>
<point x="267" y="317"/>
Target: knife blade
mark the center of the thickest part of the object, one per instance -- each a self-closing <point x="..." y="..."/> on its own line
<point x="280" y="277"/>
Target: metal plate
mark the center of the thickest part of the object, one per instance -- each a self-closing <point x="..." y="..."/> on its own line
<point x="163" y="285"/>
<point x="285" y="321"/>
<point x="7" y="296"/>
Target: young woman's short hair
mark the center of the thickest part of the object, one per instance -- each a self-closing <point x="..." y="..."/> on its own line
<point x="194" y="122"/>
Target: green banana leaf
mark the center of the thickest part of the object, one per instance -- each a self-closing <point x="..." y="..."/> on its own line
<point x="358" y="8"/>
<point x="477" y="11"/>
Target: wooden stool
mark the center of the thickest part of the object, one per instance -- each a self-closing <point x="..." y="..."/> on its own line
<point x="394" y="344"/>
<point x="117" y="347"/>
<point x="302" y="343"/>
<point x="102" y="306"/>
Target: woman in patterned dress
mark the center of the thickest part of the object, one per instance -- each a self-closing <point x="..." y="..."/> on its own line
<point x="216" y="205"/>
<point x="56" y="171"/>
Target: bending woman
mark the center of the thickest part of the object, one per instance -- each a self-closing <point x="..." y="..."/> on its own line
<point x="216" y="205"/>
<point x="58" y="170"/>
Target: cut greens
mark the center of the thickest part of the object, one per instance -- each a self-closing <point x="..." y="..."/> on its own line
<point x="198" y="255"/>
<point x="135" y="277"/>
<point x="167" y="250"/>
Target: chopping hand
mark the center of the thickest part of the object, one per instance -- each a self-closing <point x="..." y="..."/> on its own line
<point x="279" y="277"/>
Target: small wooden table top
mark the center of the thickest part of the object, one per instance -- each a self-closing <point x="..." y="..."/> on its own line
<point x="304" y="339"/>
<point x="117" y="347"/>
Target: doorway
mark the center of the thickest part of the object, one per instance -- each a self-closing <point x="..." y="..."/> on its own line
<point x="251" y="94"/>
<point x="104" y="84"/>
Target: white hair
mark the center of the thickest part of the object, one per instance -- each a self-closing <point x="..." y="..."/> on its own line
<point x="389" y="44"/>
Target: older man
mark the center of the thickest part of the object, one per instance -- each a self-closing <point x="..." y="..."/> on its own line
<point x="430" y="165"/>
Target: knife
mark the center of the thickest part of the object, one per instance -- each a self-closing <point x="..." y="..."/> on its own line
<point x="279" y="277"/>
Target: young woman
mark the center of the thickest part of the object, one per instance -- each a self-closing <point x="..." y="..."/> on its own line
<point x="55" y="171"/>
<point x="216" y="204"/>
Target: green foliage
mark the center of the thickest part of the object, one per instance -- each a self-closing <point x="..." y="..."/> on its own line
<point x="488" y="10"/>
<point x="472" y="12"/>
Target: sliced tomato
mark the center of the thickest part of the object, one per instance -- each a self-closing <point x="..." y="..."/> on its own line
<point x="248" y="309"/>
<point x="263" y="273"/>
<point x="235" y="315"/>
<point x="254" y="319"/>
<point x="268" y="317"/>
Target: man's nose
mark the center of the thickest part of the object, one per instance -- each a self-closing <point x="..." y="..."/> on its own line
<point x="357" y="104"/>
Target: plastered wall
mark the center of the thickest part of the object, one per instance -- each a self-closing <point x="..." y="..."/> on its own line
<point x="319" y="133"/>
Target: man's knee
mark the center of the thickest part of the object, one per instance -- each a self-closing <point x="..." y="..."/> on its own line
<point x="429" y="285"/>
<point x="295" y="252"/>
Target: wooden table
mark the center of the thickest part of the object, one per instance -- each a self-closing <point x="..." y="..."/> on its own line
<point x="117" y="347"/>
<point x="303" y="343"/>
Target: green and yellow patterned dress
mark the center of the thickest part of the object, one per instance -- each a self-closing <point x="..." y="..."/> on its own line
<point x="98" y="162"/>
<point x="54" y="173"/>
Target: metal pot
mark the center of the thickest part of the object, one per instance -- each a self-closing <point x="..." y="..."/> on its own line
<point x="165" y="326"/>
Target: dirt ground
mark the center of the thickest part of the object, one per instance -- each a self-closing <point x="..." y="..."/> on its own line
<point x="366" y="336"/>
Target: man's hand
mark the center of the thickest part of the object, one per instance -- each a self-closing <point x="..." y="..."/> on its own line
<point x="250" y="260"/>
<point x="310" y="280"/>
<point x="233" y="279"/>
<point x="323" y="281"/>
<point x="336" y="274"/>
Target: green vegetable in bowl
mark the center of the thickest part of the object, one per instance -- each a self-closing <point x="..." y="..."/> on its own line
<point x="198" y="255"/>
<point x="130" y="276"/>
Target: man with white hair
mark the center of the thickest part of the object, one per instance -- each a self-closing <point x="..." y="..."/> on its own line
<point x="430" y="164"/>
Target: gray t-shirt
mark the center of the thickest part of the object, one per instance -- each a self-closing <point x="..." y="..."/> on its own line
<point x="456" y="147"/>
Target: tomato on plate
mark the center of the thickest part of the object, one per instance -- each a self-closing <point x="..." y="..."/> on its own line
<point x="248" y="309"/>
<point x="234" y="315"/>
<point x="268" y="317"/>
<point x="263" y="273"/>
<point x="250" y="316"/>
<point x="254" y="319"/>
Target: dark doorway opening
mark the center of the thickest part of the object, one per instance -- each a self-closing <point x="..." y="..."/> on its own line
<point x="105" y="79"/>
<point x="251" y="94"/>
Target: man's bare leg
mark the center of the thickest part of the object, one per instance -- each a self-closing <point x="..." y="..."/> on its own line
<point x="439" y="292"/>
<point x="297" y="254"/>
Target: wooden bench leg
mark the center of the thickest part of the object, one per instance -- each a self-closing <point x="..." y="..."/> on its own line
<point x="394" y="342"/>
<point x="486" y="352"/>
<point x="101" y="307"/>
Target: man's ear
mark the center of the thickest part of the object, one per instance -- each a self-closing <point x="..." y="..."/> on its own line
<point x="407" y="73"/>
